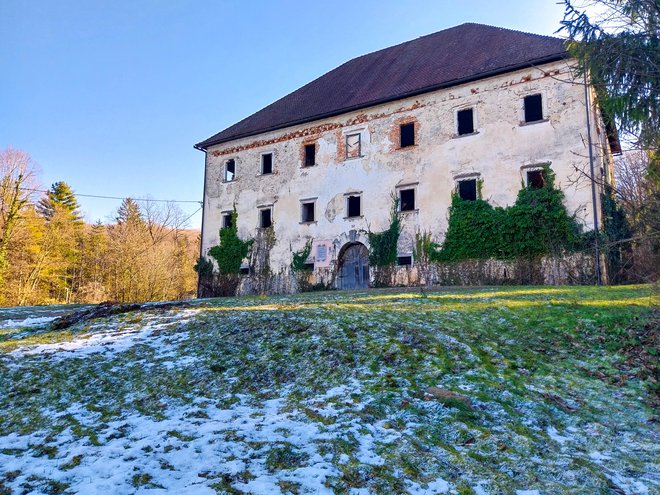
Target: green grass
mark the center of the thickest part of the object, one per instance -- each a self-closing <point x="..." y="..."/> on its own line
<point x="522" y="361"/>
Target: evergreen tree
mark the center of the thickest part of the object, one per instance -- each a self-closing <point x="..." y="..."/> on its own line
<point x="129" y="212"/>
<point x="619" y="48"/>
<point x="60" y="197"/>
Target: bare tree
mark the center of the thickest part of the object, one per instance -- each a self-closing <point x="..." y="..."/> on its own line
<point x="637" y="180"/>
<point x="17" y="182"/>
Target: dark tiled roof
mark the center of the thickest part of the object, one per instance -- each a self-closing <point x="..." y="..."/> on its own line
<point x="456" y="55"/>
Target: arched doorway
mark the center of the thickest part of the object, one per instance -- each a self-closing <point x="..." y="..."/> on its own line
<point x="353" y="267"/>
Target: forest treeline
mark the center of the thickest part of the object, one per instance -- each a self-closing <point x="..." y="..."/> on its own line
<point x="49" y="255"/>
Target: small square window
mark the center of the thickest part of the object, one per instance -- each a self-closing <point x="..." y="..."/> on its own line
<point x="353" y="206"/>
<point x="244" y="270"/>
<point x="265" y="218"/>
<point x="407" y="135"/>
<point x="465" y="120"/>
<point x="353" y="146"/>
<point x="310" y="155"/>
<point x="230" y="170"/>
<point x="267" y="163"/>
<point x="307" y="212"/>
<point x="404" y="260"/>
<point x="226" y="220"/>
<point x="533" y="108"/>
<point x="467" y="189"/>
<point x="407" y="199"/>
<point x="535" y="179"/>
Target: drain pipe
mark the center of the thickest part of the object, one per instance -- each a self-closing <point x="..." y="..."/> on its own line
<point x="201" y="240"/>
<point x="599" y="280"/>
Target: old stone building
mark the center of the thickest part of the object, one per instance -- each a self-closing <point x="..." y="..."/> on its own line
<point x="469" y="107"/>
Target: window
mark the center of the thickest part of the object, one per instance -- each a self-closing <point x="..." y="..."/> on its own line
<point x="307" y="212"/>
<point x="310" y="155"/>
<point x="467" y="189"/>
<point x="353" y="206"/>
<point x="226" y="220"/>
<point x="405" y="260"/>
<point x="308" y="267"/>
<point x="406" y="199"/>
<point x="267" y="163"/>
<point x="533" y="108"/>
<point x="465" y="121"/>
<point x="265" y="217"/>
<point x="244" y="270"/>
<point x="353" y="146"/>
<point x="407" y="135"/>
<point x="535" y="179"/>
<point x="230" y="170"/>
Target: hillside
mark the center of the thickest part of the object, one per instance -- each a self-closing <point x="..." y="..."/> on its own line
<point x="482" y="391"/>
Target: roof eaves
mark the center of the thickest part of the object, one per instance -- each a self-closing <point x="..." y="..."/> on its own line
<point x="204" y="145"/>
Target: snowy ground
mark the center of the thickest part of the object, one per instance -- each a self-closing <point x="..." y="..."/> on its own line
<point x="327" y="393"/>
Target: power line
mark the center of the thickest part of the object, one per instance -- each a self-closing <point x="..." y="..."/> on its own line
<point x="117" y="197"/>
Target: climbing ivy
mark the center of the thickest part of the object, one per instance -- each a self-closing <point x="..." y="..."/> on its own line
<point x="231" y="251"/>
<point x="383" y="244"/>
<point x="536" y="224"/>
<point x="471" y="233"/>
<point x="203" y="267"/>
<point x="300" y="257"/>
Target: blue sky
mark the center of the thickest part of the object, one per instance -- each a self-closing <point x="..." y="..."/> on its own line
<point x="111" y="96"/>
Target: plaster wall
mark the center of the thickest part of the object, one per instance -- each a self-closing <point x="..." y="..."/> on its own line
<point x="499" y="150"/>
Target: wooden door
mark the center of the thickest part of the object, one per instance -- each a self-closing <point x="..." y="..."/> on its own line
<point x="354" y="268"/>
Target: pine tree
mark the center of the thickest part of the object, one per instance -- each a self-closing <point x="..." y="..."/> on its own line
<point x="62" y="242"/>
<point x="617" y="42"/>
<point x="129" y="212"/>
<point x="60" y="197"/>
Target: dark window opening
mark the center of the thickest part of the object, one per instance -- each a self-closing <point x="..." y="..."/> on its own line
<point x="407" y="135"/>
<point x="226" y="220"/>
<point x="230" y="170"/>
<point x="265" y="218"/>
<point x="353" y="206"/>
<point x="536" y="179"/>
<point x="308" y="267"/>
<point x="465" y="121"/>
<point x="267" y="163"/>
<point x="467" y="189"/>
<point x="310" y="155"/>
<point x="307" y="212"/>
<point x="533" y="108"/>
<point x="407" y="199"/>
<point x="244" y="270"/>
<point x="404" y="260"/>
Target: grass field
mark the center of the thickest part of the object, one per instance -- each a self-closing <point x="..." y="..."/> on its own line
<point x="525" y="390"/>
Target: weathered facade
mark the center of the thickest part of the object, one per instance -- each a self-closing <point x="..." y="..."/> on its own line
<point x="329" y="180"/>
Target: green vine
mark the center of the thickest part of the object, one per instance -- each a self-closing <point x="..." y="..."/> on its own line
<point x="300" y="257"/>
<point x="231" y="251"/>
<point x="203" y="267"/>
<point x="384" y="244"/>
<point x="535" y="225"/>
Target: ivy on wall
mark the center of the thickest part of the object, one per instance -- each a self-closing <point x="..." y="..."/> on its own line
<point x="203" y="267"/>
<point x="384" y="244"/>
<point x="300" y="257"/>
<point x="231" y="251"/>
<point x="536" y="224"/>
